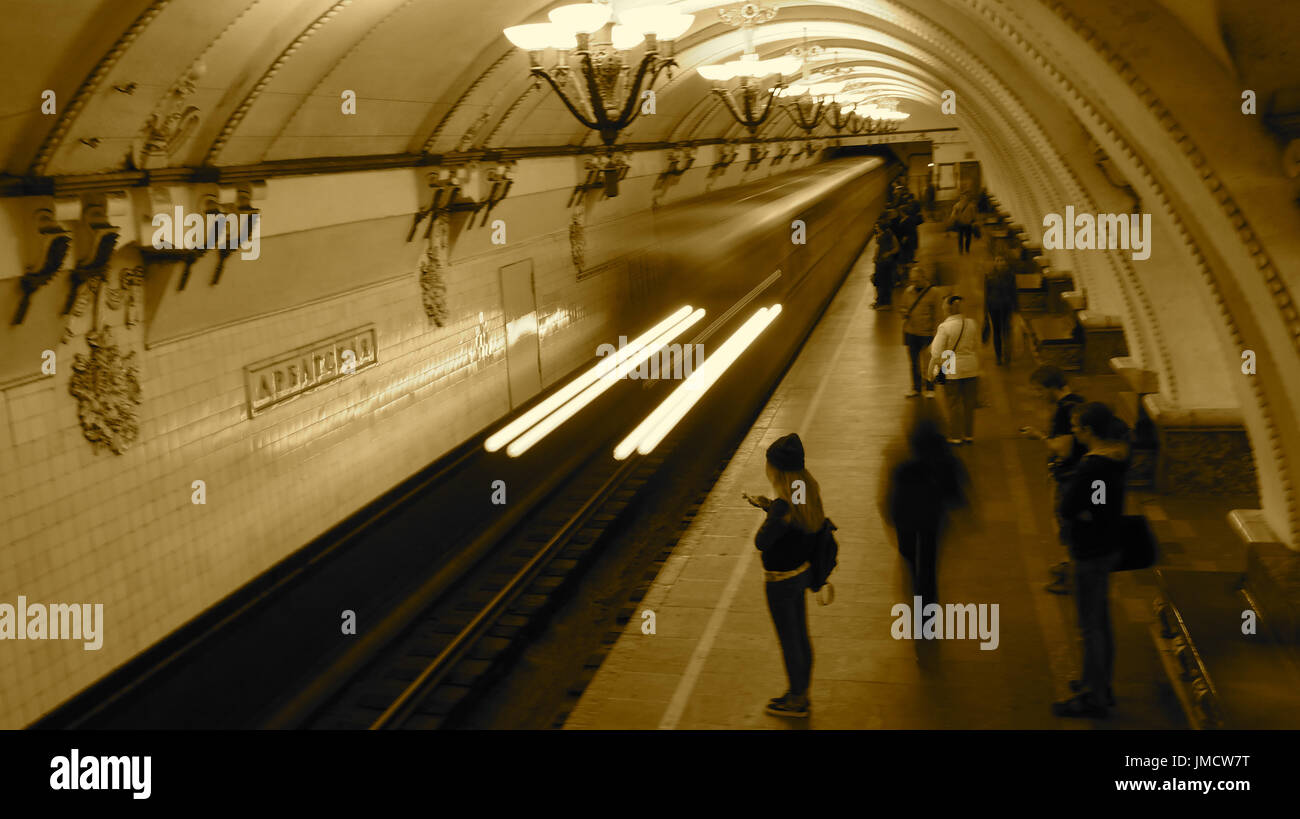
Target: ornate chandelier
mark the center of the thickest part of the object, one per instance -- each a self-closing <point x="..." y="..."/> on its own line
<point x="744" y="101"/>
<point x="593" y="74"/>
<point x="748" y="97"/>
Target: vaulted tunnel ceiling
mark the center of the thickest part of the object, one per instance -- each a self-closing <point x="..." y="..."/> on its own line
<point x="264" y="77"/>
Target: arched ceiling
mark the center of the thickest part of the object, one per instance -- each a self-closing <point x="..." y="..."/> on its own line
<point x="1044" y="89"/>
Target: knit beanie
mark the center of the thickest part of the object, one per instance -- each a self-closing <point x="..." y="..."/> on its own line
<point x="786" y="453"/>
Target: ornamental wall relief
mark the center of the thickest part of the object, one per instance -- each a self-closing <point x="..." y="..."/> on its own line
<point x="433" y="267"/>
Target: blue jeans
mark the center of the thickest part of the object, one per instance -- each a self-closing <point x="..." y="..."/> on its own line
<point x="1092" y="597"/>
<point x="788" y="605"/>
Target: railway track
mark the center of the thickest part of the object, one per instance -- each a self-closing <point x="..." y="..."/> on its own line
<point x="465" y="641"/>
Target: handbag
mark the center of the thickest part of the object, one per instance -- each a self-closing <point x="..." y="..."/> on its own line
<point x="1137" y="544"/>
<point x="941" y="377"/>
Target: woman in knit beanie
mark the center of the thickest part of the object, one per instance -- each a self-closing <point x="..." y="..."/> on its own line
<point x="785" y="540"/>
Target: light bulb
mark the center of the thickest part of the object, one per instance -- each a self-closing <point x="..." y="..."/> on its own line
<point x="625" y="38"/>
<point x="581" y="18"/>
<point x="535" y="37"/>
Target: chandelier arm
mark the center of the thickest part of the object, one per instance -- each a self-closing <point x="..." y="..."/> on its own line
<point x="630" y="108"/>
<point x="730" y="104"/>
<point x="795" y="112"/>
<point x="767" y="110"/>
<point x="564" y="98"/>
<point x="593" y="93"/>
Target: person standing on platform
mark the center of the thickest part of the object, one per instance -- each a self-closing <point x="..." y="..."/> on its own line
<point x="886" y="263"/>
<point x="921" y="491"/>
<point x="1064" y="451"/>
<point x="794" y="519"/>
<point x="999" y="303"/>
<point x="963" y="220"/>
<point x="909" y="224"/>
<point x="930" y="194"/>
<point x="1091" y="506"/>
<point x="954" y="354"/>
<point x="924" y="308"/>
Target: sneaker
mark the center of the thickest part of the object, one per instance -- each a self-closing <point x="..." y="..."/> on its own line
<point x="780" y="699"/>
<point x="789" y="707"/>
<point x="929" y="393"/>
<point x="911" y="394"/>
<point x="1081" y="706"/>
<point x="1077" y="685"/>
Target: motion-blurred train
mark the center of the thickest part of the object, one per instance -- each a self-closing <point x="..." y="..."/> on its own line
<point x="790" y="239"/>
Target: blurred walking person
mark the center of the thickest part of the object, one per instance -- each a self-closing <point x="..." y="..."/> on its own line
<point x="999" y="304"/>
<point x="955" y="363"/>
<point x="794" y="519"/>
<point x="922" y="490"/>
<point x="963" y="220"/>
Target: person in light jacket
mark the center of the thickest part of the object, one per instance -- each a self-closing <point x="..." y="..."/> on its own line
<point x="923" y="304"/>
<point x="963" y="219"/>
<point x="955" y="351"/>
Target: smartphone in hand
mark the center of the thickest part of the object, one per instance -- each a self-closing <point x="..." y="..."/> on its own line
<point x="761" y="502"/>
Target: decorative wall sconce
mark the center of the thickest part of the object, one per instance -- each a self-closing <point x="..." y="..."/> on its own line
<point x="782" y="151"/>
<point x="53" y="241"/>
<point x="243" y="211"/>
<point x="229" y="216"/>
<point x="101" y="237"/>
<point x="726" y="155"/>
<point x="757" y="153"/>
<point x="680" y="161"/>
<point x="602" y="172"/>
<point x="467" y="188"/>
<point x="809" y="148"/>
<point x="444" y="185"/>
<point x="498" y="181"/>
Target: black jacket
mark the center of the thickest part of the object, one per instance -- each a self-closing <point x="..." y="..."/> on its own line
<point x="1090" y="527"/>
<point x="923" y="490"/>
<point x="784" y="544"/>
<point x="1062" y="468"/>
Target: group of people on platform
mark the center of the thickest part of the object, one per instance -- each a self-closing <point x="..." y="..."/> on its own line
<point x="1088" y="458"/>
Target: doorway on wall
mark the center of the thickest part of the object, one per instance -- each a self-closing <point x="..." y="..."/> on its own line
<point x="523" y="352"/>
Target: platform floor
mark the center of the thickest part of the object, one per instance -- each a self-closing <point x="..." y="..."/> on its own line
<point x="714" y="660"/>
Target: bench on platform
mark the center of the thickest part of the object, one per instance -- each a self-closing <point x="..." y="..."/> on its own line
<point x="1031" y="296"/>
<point x="1054" y="339"/>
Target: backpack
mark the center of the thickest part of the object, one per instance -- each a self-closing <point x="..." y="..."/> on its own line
<point x="823" y="558"/>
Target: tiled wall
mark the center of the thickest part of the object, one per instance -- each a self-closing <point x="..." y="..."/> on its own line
<point x="79" y="525"/>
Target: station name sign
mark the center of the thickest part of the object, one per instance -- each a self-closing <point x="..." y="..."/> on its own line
<point x="273" y="381"/>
